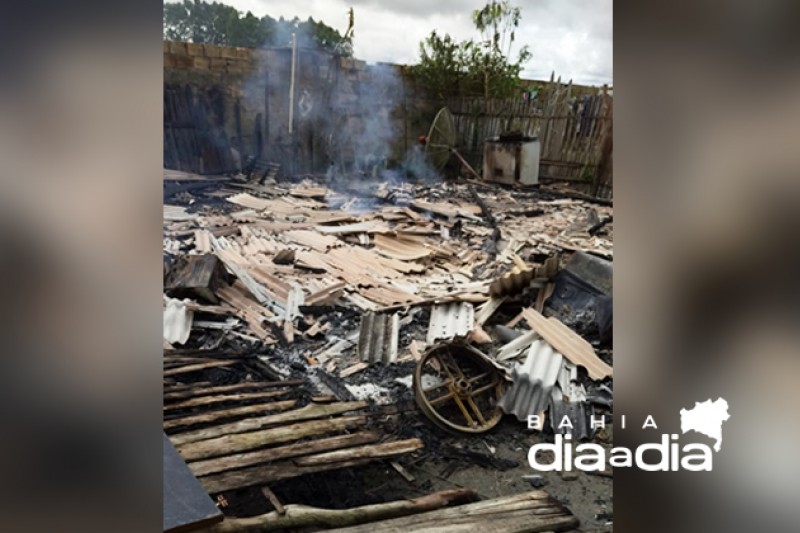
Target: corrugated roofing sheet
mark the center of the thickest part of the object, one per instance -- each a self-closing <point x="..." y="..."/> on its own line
<point x="176" y="213"/>
<point x="370" y="226"/>
<point x="448" y="321"/>
<point x="248" y="200"/>
<point x="573" y="346"/>
<point x="533" y="381"/>
<point x="403" y="249"/>
<point x="177" y="321"/>
<point x="378" y="337"/>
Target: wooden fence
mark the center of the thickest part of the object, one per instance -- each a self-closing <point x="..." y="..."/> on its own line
<point x="574" y="127"/>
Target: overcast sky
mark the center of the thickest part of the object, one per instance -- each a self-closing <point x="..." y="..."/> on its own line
<point x="571" y="37"/>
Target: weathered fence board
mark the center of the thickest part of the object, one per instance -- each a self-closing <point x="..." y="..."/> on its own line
<point x="572" y="126"/>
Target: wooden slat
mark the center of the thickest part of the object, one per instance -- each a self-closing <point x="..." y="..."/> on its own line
<point x="182" y="361"/>
<point x="387" y="449"/>
<point x="194" y="368"/>
<point x="234" y="412"/>
<point x="550" y="117"/>
<point x="308" y="412"/>
<point x="265" y="474"/>
<point x="170" y="388"/>
<point x="190" y="391"/>
<point x="258" y="439"/>
<point x="223" y="398"/>
<point x="242" y="460"/>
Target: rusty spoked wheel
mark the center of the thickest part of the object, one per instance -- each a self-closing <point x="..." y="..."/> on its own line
<point x="458" y="389"/>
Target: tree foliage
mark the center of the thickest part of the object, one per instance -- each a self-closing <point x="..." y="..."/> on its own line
<point x="198" y="21"/>
<point x="480" y="66"/>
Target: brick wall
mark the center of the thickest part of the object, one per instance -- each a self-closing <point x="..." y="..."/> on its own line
<point x="343" y="107"/>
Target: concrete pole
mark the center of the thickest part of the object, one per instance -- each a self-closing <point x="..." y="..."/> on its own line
<point x="291" y="83"/>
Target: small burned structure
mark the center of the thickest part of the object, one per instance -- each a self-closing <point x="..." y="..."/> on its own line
<point x="511" y="158"/>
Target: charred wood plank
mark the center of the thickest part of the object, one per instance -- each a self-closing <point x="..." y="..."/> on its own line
<point x="191" y="391"/>
<point x="222" y="398"/>
<point x="308" y="412"/>
<point x="242" y="460"/>
<point x="194" y="368"/>
<point x="258" y="439"/>
<point x="301" y="516"/>
<point x="264" y="474"/>
<point x="234" y="412"/>
<point x="387" y="449"/>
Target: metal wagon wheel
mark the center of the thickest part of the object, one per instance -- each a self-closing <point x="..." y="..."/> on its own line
<point x="458" y="389"/>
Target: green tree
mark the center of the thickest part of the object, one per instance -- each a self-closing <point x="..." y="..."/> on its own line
<point x="216" y="23"/>
<point x="491" y="59"/>
<point x="442" y="68"/>
<point x="482" y="66"/>
<point x="248" y="31"/>
<point x="198" y="21"/>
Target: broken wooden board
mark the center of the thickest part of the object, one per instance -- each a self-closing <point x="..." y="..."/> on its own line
<point x="195" y="368"/>
<point x="240" y="442"/>
<point x="241" y="460"/>
<point x="268" y="473"/>
<point x="195" y="277"/>
<point x="374" y="451"/>
<point x="308" y="412"/>
<point x="223" y="398"/>
<point x="317" y="193"/>
<point x="489" y="308"/>
<point x="235" y="412"/>
<point x="353" y="369"/>
<point x="194" y="390"/>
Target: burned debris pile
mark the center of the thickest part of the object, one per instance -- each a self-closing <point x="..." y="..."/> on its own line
<point x="311" y="329"/>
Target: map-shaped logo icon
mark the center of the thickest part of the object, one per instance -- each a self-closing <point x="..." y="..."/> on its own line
<point x="706" y="418"/>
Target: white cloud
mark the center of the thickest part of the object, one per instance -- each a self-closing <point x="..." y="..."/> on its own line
<point x="571" y="37"/>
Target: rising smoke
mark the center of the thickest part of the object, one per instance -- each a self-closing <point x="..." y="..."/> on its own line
<point x="349" y="119"/>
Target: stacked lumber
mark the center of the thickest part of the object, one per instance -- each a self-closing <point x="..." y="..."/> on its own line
<point x="257" y="432"/>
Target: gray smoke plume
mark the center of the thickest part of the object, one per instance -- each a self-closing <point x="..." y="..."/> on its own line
<point x="349" y="120"/>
